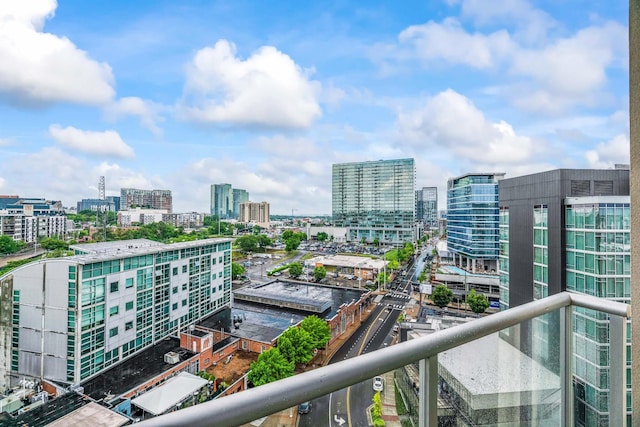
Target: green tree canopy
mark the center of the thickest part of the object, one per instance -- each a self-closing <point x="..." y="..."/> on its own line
<point x="270" y="366"/>
<point x="296" y="345"/>
<point x="287" y="234"/>
<point x="237" y="270"/>
<point x="264" y="241"/>
<point x="9" y="246"/>
<point x="318" y="329"/>
<point x="291" y="244"/>
<point x="247" y="243"/>
<point x="295" y="269"/>
<point x="52" y="243"/>
<point x="376" y="242"/>
<point x="322" y="236"/>
<point x="442" y="296"/>
<point x="477" y="302"/>
<point x="319" y="273"/>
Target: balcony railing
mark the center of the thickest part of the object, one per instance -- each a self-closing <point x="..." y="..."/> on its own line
<point x="252" y="404"/>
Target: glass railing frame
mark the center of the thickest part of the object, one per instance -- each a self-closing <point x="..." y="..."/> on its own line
<point x="252" y="404"/>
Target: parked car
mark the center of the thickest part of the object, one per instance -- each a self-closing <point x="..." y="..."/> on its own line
<point x="377" y="384"/>
<point x="304" y="408"/>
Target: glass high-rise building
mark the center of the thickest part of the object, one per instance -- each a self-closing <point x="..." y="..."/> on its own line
<point x="239" y="196"/>
<point x="427" y="207"/>
<point x="375" y="200"/>
<point x="472" y="220"/>
<point x="569" y="229"/>
<point x="222" y="201"/>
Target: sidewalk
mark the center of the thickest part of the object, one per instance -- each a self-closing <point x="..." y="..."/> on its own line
<point x="388" y="395"/>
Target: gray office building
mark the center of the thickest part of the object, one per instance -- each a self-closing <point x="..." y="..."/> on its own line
<point x="427" y="207"/>
<point x="375" y="200"/>
<point x="568" y="230"/>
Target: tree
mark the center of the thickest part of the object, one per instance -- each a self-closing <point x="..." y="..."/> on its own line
<point x="9" y="246"/>
<point x="295" y="269"/>
<point x="264" y="241"/>
<point x="237" y="270"/>
<point x="423" y="276"/>
<point x="319" y="273"/>
<point x="322" y="236"/>
<point x="382" y="278"/>
<point x="376" y="242"/>
<point x="247" y="243"/>
<point x="291" y="244"/>
<point x="52" y="243"/>
<point x="477" y="302"/>
<point x="287" y="234"/>
<point x="270" y="366"/>
<point x="442" y="296"/>
<point x="296" y="345"/>
<point x="318" y="329"/>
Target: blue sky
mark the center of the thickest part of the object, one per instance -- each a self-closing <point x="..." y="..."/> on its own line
<point x="267" y="96"/>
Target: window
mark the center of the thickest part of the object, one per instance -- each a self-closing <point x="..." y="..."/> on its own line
<point x="175" y="290"/>
<point x="128" y="325"/>
<point x="184" y="302"/>
<point x="128" y="305"/>
<point x="184" y="286"/>
<point x="184" y="268"/>
<point x="129" y="283"/>
<point x="113" y="311"/>
<point x="113" y="332"/>
<point x="113" y="287"/>
<point x="174" y="306"/>
<point x="175" y="271"/>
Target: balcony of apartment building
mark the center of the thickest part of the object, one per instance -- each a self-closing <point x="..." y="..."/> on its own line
<point x="501" y="369"/>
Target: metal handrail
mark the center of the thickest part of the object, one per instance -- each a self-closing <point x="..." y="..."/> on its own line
<point x="252" y="404"/>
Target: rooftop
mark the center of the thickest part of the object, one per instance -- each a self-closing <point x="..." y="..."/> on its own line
<point x="348" y="261"/>
<point x="142" y="367"/>
<point x="94" y="252"/>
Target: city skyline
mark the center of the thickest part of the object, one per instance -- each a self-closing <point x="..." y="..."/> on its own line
<point x="164" y="95"/>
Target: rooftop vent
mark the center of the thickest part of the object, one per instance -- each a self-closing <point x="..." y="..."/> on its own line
<point x="172" y="358"/>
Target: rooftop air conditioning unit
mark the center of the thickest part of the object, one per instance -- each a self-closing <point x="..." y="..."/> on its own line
<point x="172" y="358"/>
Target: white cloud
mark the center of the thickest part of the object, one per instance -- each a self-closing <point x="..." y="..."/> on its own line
<point x="39" y="67"/>
<point x="106" y="143"/>
<point x="531" y="25"/>
<point x="606" y="154"/>
<point x="267" y="89"/>
<point x="452" y="122"/>
<point x="450" y="42"/>
<point x="570" y="70"/>
<point x="148" y="112"/>
<point x="60" y="175"/>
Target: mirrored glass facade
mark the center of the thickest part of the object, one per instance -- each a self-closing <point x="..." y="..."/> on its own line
<point x="472" y="220"/>
<point x="375" y="200"/>
<point x="598" y="263"/>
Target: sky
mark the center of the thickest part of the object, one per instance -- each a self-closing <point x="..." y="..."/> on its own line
<point x="266" y="96"/>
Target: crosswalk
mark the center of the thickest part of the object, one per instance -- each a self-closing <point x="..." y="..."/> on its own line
<point x="398" y="295"/>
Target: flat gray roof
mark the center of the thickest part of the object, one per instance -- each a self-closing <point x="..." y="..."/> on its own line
<point x="348" y="261"/>
<point x="495" y="374"/>
<point x="102" y="251"/>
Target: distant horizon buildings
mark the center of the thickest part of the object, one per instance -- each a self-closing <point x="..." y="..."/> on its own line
<point x="375" y="200"/>
<point x="153" y="199"/>
<point x="29" y="219"/>
<point x="254" y="213"/>
<point x="226" y="200"/>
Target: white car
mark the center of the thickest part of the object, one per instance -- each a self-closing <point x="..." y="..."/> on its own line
<point x="377" y="384"/>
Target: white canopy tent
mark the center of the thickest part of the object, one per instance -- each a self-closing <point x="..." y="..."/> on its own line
<point x="167" y="396"/>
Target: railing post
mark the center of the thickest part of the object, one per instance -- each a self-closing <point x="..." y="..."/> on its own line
<point x="428" y="395"/>
<point x="566" y="366"/>
<point x="617" y="371"/>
